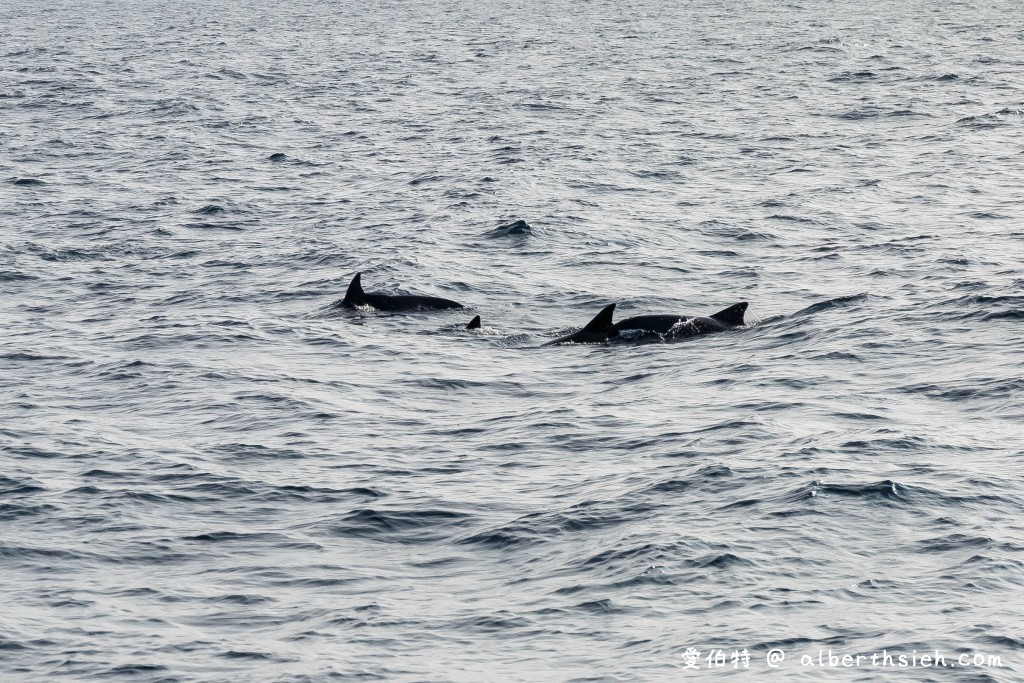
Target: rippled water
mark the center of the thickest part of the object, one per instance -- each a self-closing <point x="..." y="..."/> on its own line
<point x="209" y="474"/>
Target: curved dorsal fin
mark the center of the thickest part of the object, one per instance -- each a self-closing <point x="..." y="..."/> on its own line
<point x="602" y="321"/>
<point x="732" y="315"/>
<point x="474" y="324"/>
<point x="354" y="295"/>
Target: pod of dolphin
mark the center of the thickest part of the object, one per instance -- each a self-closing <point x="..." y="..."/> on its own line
<point x="600" y="330"/>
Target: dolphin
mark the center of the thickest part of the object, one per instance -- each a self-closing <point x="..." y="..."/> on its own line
<point x="355" y="296"/>
<point x="667" y="327"/>
<point x="473" y="324"/>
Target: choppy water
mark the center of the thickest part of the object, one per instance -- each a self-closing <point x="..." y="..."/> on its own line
<point x="207" y="475"/>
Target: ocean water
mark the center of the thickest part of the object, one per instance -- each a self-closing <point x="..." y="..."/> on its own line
<point x="207" y="473"/>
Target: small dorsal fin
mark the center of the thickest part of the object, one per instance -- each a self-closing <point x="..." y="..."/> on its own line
<point x="602" y="321"/>
<point x="474" y="324"/>
<point x="732" y="315"/>
<point x="354" y="295"/>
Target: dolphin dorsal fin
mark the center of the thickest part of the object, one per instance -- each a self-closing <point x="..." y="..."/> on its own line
<point x="732" y="315"/>
<point x="474" y="324"/>
<point x="354" y="295"/>
<point x="602" y="321"/>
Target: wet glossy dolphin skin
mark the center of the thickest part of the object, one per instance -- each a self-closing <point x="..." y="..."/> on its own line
<point x="355" y="296"/>
<point x="601" y="329"/>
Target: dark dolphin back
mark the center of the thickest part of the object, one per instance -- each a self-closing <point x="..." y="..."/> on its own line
<point x="659" y="324"/>
<point x="355" y="296"/>
<point x="408" y="302"/>
<point x="732" y="316"/>
<point x="474" y="324"/>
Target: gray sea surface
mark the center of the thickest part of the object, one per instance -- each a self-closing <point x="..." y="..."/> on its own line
<point x="208" y="473"/>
